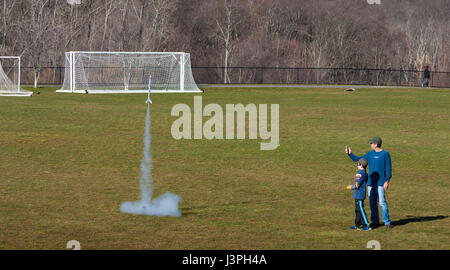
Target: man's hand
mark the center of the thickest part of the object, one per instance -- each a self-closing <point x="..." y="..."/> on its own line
<point x="348" y="150"/>
<point x="386" y="185"/>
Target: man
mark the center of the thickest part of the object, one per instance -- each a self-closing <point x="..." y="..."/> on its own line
<point x="379" y="177"/>
<point x="426" y="77"/>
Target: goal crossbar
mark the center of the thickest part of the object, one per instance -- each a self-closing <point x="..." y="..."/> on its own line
<point x="155" y="53"/>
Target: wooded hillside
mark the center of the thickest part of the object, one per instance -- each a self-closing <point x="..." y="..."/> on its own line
<point x="403" y="34"/>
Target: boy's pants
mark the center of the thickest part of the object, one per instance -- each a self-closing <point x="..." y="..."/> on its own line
<point x="361" y="217"/>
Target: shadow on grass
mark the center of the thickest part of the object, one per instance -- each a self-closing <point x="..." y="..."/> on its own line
<point x="187" y="211"/>
<point x="411" y="219"/>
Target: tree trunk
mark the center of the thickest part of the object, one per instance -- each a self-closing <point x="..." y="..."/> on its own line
<point x="36" y="77"/>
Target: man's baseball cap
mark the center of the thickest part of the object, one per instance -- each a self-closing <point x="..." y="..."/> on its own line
<point x="377" y="140"/>
<point x="363" y="162"/>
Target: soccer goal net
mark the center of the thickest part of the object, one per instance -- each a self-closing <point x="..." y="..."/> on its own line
<point x="128" y="72"/>
<point x="10" y="77"/>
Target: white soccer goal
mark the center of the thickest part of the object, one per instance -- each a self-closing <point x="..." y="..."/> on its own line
<point x="128" y="72"/>
<point x="10" y="77"/>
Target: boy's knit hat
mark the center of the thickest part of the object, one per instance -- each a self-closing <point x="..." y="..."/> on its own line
<point x="363" y="162"/>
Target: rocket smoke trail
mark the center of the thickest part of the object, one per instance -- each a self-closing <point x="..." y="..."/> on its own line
<point x="165" y="205"/>
<point x="145" y="181"/>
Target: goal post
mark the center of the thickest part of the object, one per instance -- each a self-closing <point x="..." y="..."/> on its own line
<point x="10" y="77"/>
<point x="128" y="72"/>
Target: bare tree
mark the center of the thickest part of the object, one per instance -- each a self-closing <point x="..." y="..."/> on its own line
<point x="109" y="7"/>
<point x="227" y="25"/>
<point x="139" y="10"/>
<point x="7" y="24"/>
<point x="159" y="24"/>
<point x="35" y="29"/>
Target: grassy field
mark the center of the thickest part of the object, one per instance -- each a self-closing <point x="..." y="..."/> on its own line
<point x="67" y="162"/>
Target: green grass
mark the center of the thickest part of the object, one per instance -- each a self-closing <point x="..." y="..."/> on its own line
<point x="67" y="162"/>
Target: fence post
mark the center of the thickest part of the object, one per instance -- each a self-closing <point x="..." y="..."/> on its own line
<point x="262" y="75"/>
<point x="431" y="81"/>
<point x="367" y="76"/>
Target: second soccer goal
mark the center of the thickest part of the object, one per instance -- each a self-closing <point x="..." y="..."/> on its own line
<point x="10" y="77"/>
<point x="128" y="72"/>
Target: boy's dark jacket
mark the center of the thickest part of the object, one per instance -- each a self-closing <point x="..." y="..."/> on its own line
<point x="359" y="187"/>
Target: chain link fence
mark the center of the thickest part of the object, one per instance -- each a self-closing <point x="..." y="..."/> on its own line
<point x="336" y="76"/>
<point x="277" y="75"/>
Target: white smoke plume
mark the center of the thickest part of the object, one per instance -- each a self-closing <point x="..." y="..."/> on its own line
<point x="165" y="205"/>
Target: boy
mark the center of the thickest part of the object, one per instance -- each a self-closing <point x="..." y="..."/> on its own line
<point x="359" y="194"/>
